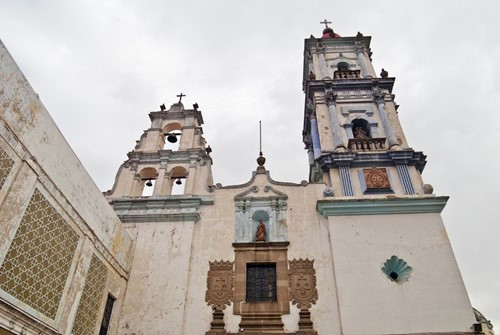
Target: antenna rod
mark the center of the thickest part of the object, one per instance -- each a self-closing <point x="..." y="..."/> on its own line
<point x="260" y="138"/>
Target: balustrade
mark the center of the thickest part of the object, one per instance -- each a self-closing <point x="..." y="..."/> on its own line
<point x="347" y="74"/>
<point x="366" y="144"/>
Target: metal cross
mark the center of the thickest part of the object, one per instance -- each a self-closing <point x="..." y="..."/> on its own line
<point x="325" y="22"/>
<point x="180" y="96"/>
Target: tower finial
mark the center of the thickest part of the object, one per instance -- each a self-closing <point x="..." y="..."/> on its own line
<point x="325" y="22"/>
<point x="180" y="97"/>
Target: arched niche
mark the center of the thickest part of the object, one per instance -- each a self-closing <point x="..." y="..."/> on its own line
<point x="178" y="179"/>
<point x="147" y="180"/>
<point x="270" y="208"/>
<point x="362" y="115"/>
<point x="172" y="133"/>
<point x="361" y="128"/>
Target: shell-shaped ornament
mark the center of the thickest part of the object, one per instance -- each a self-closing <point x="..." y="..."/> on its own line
<point x="397" y="269"/>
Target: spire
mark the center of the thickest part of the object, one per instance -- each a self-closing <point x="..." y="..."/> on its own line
<point x="261" y="160"/>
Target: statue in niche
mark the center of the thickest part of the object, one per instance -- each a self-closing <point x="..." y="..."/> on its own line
<point x="260" y="236"/>
<point x="360" y="133"/>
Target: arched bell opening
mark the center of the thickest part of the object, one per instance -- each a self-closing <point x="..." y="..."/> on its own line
<point x="172" y="136"/>
<point x="361" y="129"/>
<point x="178" y="180"/>
<point x="148" y="178"/>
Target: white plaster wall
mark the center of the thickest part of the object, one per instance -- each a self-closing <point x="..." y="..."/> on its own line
<point x="166" y="290"/>
<point x="433" y="300"/>
<point x="157" y="288"/>
<point x="168" y="282"/>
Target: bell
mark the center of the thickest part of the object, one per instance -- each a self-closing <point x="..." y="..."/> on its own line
<point x="172" y="138"/>
<point x="178" y="181"/>
<point x="149" y="183"/>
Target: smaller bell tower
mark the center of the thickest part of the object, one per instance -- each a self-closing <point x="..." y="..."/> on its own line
<point x="170" y="158"/>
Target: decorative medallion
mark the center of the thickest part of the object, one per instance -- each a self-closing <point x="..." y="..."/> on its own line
<point x="376" y="178"/>
<point x="302" y="281"/>
<point x="397" y="269"/>
<point x="220" y="284"/>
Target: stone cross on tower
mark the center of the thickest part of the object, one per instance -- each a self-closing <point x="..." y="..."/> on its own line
<point x="180" y="96"/>
<point x="325" y="22"/>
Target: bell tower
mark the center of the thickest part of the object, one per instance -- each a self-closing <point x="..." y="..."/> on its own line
<point x="171" y="157"/>
<point x="351" y="128"/>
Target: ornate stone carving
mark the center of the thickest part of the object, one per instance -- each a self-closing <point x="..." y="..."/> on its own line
<point x="220" y="284"/>
<point x="376" y="178"/>
<point x="302" y="281"/>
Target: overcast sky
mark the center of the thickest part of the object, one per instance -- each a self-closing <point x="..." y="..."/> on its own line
<point x="101" y="66"/>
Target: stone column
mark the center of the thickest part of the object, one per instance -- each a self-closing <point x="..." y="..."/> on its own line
<point x="338" y="144"/>
<point x="389" y="133"/>
<point x="366" y="66"/>
<point x="160" y="180"/>
<point x="315" y="136"/>
<point x="166" y="183"/>
<point x="322" y="62"/>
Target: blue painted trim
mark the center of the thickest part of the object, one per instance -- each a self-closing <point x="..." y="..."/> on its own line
<point x="345" y="177"/>
<point x="315" y="138"/>
<point x="381" y="206"/>
<point x="405" y="178"/>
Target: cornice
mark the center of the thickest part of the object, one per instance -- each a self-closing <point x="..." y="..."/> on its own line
<point x="347" y="42"/>
<point x="161" y="202"/>
<point x="347" y="207"/>
<point x="173" y="208"/>
<point x="176" y="217"/>
<point x="349" y="84"/>
<point x="367" y="159"/>
<point x="219" y="186"/>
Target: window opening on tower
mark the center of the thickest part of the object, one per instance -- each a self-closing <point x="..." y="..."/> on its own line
<point x="147" y="181"/>
<point x="172" y="134"/>
<point x="178" y="179"/>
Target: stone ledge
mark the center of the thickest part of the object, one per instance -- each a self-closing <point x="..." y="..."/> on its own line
<point x="346" y="207"/>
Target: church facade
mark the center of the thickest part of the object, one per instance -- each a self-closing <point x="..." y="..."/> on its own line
<point x="359" y="248"/>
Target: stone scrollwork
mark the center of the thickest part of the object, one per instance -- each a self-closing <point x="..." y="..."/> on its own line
<point x="220" y="283"/>
<point x="376" y="178"/>
<point x="302" y="281"/>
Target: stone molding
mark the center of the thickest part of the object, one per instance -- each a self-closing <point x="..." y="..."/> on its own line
<point x="404" y="205"/>
<point x="15" y="320"/>
<point x="364" y="159"/>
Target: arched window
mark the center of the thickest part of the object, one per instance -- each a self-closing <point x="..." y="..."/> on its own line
<point x="172" y="136"/>
<point x="148" y="178"/>
<point x="360" y="129"/>
<point x="178" y="178"/>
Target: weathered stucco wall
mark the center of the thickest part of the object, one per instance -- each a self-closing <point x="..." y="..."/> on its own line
<point x="168" y="281"/>
<point x="54" y="221"/>
<point x="28" y="120"/>
<point x="434" y="298"/>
